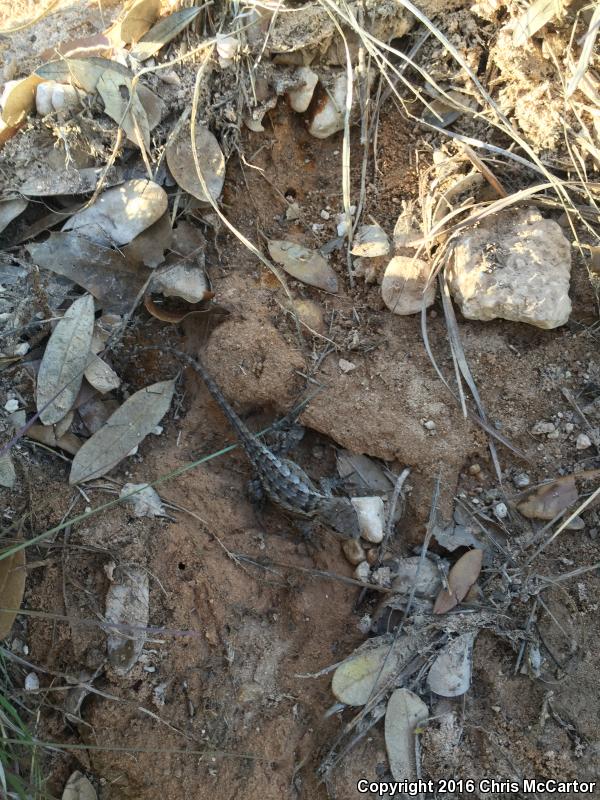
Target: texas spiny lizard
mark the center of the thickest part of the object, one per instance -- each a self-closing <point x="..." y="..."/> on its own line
<point x="283" y="481"/>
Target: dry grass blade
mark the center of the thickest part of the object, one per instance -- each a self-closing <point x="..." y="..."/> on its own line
<point x="586" y="53"/>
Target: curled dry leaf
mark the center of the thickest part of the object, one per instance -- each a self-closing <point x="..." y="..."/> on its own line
<point x="10" y="209"/>
<point x="124" y="430"/>
<point x="175" y="312"/>
<point x="180" y="160"/>
<point x="64" y="361"/>
<point x="78" y="787"/>
<point x="305" y="265"/>
<point x="163" y="32"/>
<point x="550" y="499"/>
<point x="362" y="473"/>
<point x="535" y="17"/>
<point x="460" y="579"/>
<point x="105" y="274"/>
<point x="19" y="100"/>
<point x="121" y="213"/>
<point x="368" y="670"/>
<point x="404" y="714"/>
<point x="127" y="605"/>
<point x="137" y="20"/>
<point x="12" y="586"/>
<point x="450" y="673"/>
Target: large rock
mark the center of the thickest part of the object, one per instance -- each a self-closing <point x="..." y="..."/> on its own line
<point x="515" y="265"/>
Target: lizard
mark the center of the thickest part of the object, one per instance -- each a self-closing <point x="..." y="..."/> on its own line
<point x="284" y="482"/>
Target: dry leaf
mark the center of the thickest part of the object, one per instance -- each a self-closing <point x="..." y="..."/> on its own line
<point x="10" y="209"/>
<point x="126" y="428"/>
<point x="121" y="213"/>
<point x="82" y="72"/>
<point x="537" y="15"/>
<point x="46" y="435"/>
<point x="450" y="673"/>
<point x="404" y="714"/>
<point x="100" y="375"/>
<point x="548" y="500"/>
<point x="368" y="670"/>
<point x="145" y="502"/>
<point x="176" y="312"/>
<point x="180" y="160"/>
<point x="123" y="104"/>
<point x="460" y="579"/>
<point x="64" y="361"/>
<point x="86" y="46"/>
<point x="20" y="100"/>
<point x="12" y="586"/>
<point x="106" y="274"/>
<point x="305" y="265"/>
<point x="138" y="19"/>
<point x="162" y="33"/>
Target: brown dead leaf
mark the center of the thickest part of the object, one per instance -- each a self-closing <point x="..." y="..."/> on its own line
<point x="12" y="586"/>
<point x="162" y="33"/>
<point x="20" y="100"/>
<point x="552" y="498"/>
<point x="139" y="17"/>
<point x="123" y="105"/>
<point x="149" y="246"/>
<point x="86" y="46"/>
<point x="460" y="579"/>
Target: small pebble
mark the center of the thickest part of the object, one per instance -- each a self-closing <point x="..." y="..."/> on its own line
<point x="293" y="212"/>
<point x="553" y="435"/>
<point x="474" y="469"/>
<point x="500" y="511"/>
<point x="324" y="214"/>
<point x="521" y="480"/>
<point x="317" y="227"/>
<point x="569" y="427"/>
<point x="11" y="405"/>
<point x="429" y="425"/>
<point x="362" y="572"/>
<point x="371" y="517"/>
<point x="354" y="551"/>
<point x="32" y="682"/>
<point x="583" y="442"/>
<point x="346" y="366"/>
<point x="372" y="556"/>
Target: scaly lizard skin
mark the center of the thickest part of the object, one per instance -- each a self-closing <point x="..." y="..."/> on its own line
<point x="284" y="482"/>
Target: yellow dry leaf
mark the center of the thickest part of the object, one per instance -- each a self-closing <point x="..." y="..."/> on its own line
<point x="12" y="586"/>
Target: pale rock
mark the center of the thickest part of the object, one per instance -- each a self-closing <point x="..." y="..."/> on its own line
<point x="181" y="280"/>
<point x="404" y="287"/>
<point x="500" y="511"/>
<point x="32" y="682"/>
<point x="329" y="116"/>
<point x="11" y="405"/>
<point x="300" y="96"/>
<point x="371" y="517"/>
<point x="293" y="212"/>
<point x="516" y="266"/>
<point x="583" y="442"/>
<point x="354" y="551"/>
<point x="362" y="572"/>
<point x="346" y="366"/>
<point x="43" y="98"/>
<point x="371" y="241"/>
<point x="65" y="96"/>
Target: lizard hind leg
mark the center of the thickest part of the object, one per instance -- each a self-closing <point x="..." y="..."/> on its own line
<point x="256" y="493"/>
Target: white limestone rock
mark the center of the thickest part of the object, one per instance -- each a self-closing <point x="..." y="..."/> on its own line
<point x="403" y="288"/>
<point x="516" y="266"/>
